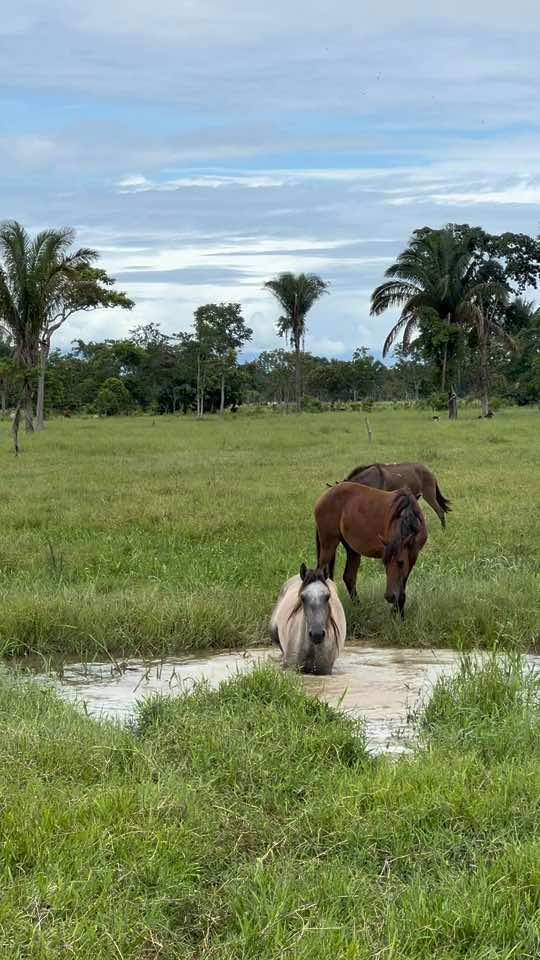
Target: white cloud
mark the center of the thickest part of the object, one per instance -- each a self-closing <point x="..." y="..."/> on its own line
<point x="519" y="192"/>
<point x="140" y="184"/>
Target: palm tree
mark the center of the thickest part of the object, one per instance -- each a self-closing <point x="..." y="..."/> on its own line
<point x="32" y="274"/>
<point x="433" y="273"/>
<point x="439" y="271"/>
<point x="296" y="294"/>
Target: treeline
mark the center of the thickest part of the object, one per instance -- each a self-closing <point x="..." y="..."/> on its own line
<point x="464" y="330"/>
<point x="149" y="371"/>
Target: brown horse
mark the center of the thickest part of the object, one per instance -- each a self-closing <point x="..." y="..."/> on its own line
<point x="373" y="523"/>
<point x="394" y="476"/>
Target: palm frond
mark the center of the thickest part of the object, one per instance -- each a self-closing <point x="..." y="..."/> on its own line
<point x="391" y="294"/>
<point x="406" y="325"/>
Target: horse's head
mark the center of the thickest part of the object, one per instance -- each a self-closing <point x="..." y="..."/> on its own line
<point x="407" y="535"/>
<point x="314" y="596"/>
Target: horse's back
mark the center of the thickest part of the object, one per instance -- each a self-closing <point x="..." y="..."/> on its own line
<point x="355" y="513"/>
<point x="370" y="476"/>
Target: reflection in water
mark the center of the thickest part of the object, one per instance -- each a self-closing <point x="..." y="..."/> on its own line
<point x="382" y="685"/>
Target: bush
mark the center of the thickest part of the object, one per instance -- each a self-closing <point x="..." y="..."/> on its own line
<point x="313" y="404"/>
<point x="438" y="401"/>
<point x="113" y="398"/>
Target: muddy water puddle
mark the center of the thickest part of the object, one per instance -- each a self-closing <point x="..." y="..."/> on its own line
<point x="385" y="686"/>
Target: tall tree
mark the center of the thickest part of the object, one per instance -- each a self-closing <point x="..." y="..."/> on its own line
<point x="430" y="277"/>
<point x="88" y="289"/>
<point x="203" y="341"/>
<point x="274" y="375"/>
<point x="224" y="330"/>
<point x="32" y="273"/>
<point x="296" y="295"/>
<point x="462" y="276"/>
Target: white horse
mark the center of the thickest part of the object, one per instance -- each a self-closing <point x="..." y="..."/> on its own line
<point x="308" y="622"/>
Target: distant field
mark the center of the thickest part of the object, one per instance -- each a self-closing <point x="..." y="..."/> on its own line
<point x="160" y="535"/>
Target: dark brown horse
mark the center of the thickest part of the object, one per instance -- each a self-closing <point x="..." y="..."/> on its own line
<point x="393" y="476"/>
<point x="372" y="523"/>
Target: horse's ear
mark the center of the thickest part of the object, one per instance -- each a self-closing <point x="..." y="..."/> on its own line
<point x="303" y="571"/>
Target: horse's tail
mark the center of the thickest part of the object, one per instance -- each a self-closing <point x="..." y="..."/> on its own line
<point x="442" y="501"/>
<point x="317" y="544"/>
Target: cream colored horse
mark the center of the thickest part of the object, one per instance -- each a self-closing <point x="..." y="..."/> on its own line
<point x="308" y="622"/>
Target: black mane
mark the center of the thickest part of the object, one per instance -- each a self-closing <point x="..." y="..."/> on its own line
<point x="312" y="576"/>
<point x="405" y="510"/>
<point x="356" y="474"/>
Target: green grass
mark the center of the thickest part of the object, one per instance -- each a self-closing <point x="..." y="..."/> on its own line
<point x="248" y="824"/>
<point x="159" y="535"/>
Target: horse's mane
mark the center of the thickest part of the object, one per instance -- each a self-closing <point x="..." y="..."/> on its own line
<point x="406" y="510"/>
<point x="360" y="469"/>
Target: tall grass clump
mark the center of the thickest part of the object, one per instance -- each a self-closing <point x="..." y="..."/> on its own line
<point x="491" y="705"/>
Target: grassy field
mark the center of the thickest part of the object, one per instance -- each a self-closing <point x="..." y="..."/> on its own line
<point x="152" y="536"/>
<point x="249" y="824"/>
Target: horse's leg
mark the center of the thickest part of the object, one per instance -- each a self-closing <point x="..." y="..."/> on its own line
<point x="326" y="554"/>
<point x="351" y="571"/>
<point x="331" y="566"/>
<point x="430" y="496"/>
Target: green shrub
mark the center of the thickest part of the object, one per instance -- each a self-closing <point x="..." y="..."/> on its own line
<point x="113" y="398"/>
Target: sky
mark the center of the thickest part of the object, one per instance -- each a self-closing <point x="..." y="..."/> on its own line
<point x="204" y="146"/>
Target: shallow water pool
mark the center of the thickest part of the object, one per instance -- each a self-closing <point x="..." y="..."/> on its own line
<point x="383" y="685"/>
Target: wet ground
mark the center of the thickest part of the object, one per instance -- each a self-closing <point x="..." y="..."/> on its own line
<point x="385" y="685"/>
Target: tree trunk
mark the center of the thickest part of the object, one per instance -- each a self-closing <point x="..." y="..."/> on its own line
<point x="444" y="365"/>
<point x="452" y="404"/>
<point x="24" y="403"/>
<point x="40" y="404"/>
<point x="484" y="373"/>
<point x="15" y="428"/>
<point x="298" y="376"/>
<point x="28" y="406"/>
<point x="3" y="399"/>
<point x="199" y="404"/>
<point x="222" y="402"/>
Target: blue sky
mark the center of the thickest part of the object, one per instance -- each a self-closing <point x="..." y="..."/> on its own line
<point x="204" y="146"/>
